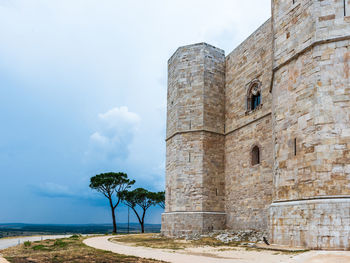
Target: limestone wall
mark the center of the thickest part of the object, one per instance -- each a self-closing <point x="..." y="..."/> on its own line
<point x="294" y="95"/>
<point x="302" y="56"/>
<point x="196" y="75"/>
<point x="184" y="170"/>
<point x="249" y="61"/>
<point x="294" y="28"/>
<point x="248" y="187"/>
<point x="311" y="109"/>
<point x="311" y="105"/>
<point x="332" y="19"/>
<point x="177" y="224"/>
<point x="195" y="141"/>
<point x="315" y="224"/>
<point x="305" y="23"/>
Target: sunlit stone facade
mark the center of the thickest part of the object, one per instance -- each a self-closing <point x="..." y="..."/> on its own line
<point x="260" y="138"/>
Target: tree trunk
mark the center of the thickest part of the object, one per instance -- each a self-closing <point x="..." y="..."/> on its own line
<point x="113" y="216"/>
<point x="142" y="227"/>
<point x="143" y="220"/>
<point x="138" y="217"/>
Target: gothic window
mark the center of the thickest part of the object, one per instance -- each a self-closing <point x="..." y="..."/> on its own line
<point x="254" y="95"/>
<point x="255" y="155"/>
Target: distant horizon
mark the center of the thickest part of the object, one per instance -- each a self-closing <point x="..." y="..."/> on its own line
<point x="82" y="224"/>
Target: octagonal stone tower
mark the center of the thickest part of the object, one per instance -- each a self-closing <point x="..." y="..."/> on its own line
<point x="195" y="141"/>
<point x="311" y="124"/>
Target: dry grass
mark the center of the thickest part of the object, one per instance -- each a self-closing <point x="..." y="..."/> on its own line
<point x="157" y="241"/>
<point x="70" y="250"/>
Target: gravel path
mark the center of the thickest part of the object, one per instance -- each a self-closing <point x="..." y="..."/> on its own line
<point x="213" y="255"/>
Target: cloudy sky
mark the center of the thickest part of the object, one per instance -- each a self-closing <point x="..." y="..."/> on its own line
<point x="83" y="91"/>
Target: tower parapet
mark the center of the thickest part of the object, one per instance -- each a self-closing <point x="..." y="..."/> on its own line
<point x="195" y="142"/>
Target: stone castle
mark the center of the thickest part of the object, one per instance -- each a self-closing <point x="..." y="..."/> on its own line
<point x="260" y="138"/>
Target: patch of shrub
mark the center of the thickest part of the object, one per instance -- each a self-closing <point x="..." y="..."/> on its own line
<point x="60" y="243"/>
<point x="27" y="243"/>
<point x="40" y="247"/>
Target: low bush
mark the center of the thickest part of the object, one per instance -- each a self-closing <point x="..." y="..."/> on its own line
<point x="60" y="243"/>
<point x="27" y="243"/>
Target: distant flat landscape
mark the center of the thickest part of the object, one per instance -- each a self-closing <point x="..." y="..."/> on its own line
<point x="20" y="229"/>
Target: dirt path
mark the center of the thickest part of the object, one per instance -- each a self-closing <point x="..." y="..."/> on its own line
<point x="217" y="255"/>
<point x="202" y="255"/>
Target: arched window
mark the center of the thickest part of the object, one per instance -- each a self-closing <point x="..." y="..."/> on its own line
<point x="254" y="95"/>
<point x="255" y="155"/>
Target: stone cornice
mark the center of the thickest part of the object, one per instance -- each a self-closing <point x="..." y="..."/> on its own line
<point x="248" y="123"/>
<point x="192" y="131"/>
<point x="195" y="212"/>
<point x="309" y="47"/>
<point x="218" y="133"/>
<point x="315" y="198"/>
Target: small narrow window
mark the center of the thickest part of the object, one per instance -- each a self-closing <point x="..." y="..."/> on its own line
<point x="346" y="7"/>
<point x="189" y="157"/>
<point x="255" y="155"/>
<point x="295" y="146"/>
<point x="190" y="125"/>
<point x="293" y="2"/>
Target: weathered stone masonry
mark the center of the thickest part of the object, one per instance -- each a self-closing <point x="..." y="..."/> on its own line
<point x="284" y="91"/>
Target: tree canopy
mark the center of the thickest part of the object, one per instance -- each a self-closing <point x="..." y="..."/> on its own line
<point x="111" y="185"/>
<point x="159" y="198"/>
<point x="141" y="198"/>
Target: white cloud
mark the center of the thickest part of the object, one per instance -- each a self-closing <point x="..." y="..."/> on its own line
<point x="117" y="119"/>
<point x="116" y="130"/>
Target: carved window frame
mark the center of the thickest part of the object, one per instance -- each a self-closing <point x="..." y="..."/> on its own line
<point x="253" y="88"/>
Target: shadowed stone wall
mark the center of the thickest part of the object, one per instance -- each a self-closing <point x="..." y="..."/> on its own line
<point x="249" y="187"/>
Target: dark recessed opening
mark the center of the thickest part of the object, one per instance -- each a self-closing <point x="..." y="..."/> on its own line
<point x="255" y="155"/>
<point x="255" y="101"/>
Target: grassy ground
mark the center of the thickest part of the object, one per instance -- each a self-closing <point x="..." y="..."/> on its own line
<point x="70" y="250"/>
<point x="157" y="241"/>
